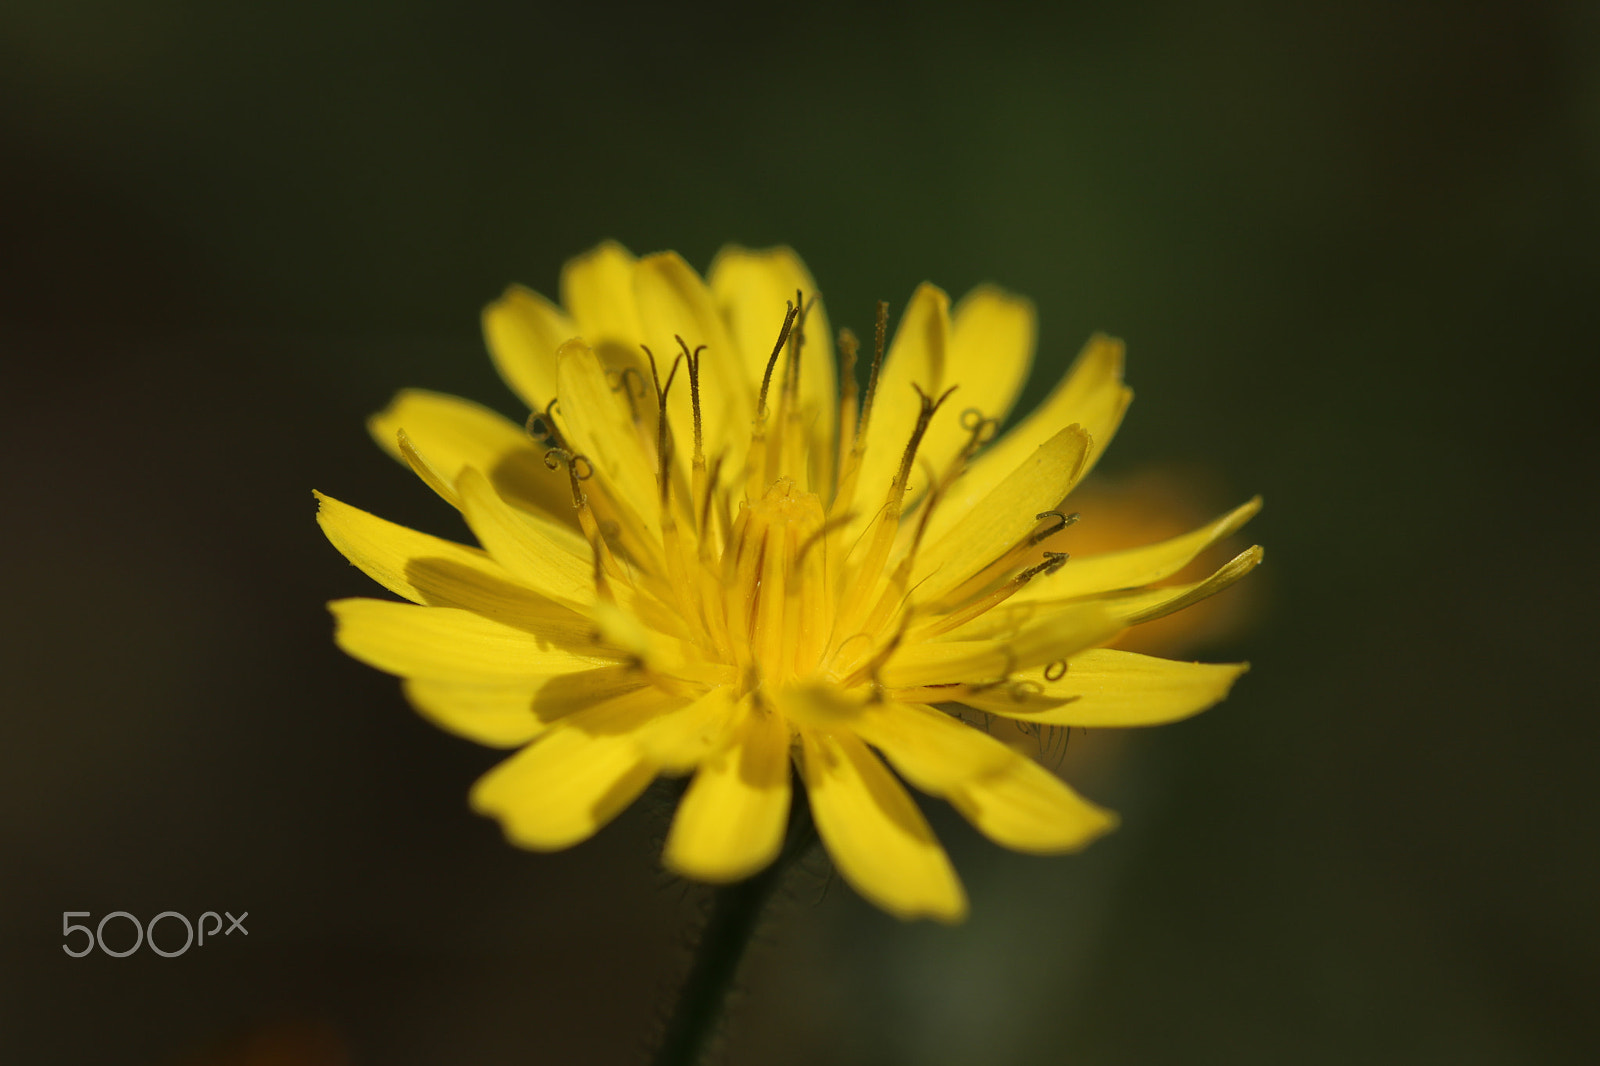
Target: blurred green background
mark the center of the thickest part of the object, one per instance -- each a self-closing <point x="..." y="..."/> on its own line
<point x="1354" y="251"/>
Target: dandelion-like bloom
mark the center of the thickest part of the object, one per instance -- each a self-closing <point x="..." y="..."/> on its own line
<point x="708" y="552"/>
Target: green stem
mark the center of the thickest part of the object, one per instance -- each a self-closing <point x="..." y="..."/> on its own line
<point x="735" y="911"/>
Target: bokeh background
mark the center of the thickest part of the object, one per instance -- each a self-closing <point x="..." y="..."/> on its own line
<point x="1353" y="248"/>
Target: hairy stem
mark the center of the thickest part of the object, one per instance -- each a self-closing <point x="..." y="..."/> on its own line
<point x="736" y="910"/>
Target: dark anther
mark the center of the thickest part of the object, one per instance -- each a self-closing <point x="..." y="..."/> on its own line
<point x="1056" y="670"/>
<point x="1062" y="521"/>
<point x="541" y="426"/>
<point x="1053" y="561"/>
<point x="553" y="458"/>
<point x="556" y="456"/>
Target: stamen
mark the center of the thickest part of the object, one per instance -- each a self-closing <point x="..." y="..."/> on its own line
<point x="894" y="595"/>
<point x="797" y="340"/>
<point x="677" y="556"/>
<point x="848" y="466"/>
<point x="604" y="562"/>
<point x="772" y="361"/>
<point x="848" y="392"/>
<point x="693" y="359"/>
<point x="554" y="457"/>
<point x="1062" y="522"/>
<point x="980" y="431"/>
<point x="663" y="431"/>
<point x="541" y="426"/>
<point x="713" y="594"/>
<point x="786" y="451"/>
<point x="1011" y="557"/>
<point x="955" y="619"/>
<point x="881" y="534"/>
<point x="705" y="506"/>
<point x="929" y="406"/>
<point x="881" y="331"/>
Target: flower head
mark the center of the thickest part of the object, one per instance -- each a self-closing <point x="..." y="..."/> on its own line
<point x="710" y="553"/>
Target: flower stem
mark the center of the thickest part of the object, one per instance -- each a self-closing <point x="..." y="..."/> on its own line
<point x="736" y="909"/>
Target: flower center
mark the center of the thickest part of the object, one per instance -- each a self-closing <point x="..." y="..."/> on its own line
<point x="777" y="605"/>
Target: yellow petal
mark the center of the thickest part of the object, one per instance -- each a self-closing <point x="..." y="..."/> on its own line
<point x="1151" y="604"/>
<point x="731" y="821"/>
<point x="932" y="750"/>
<point x="1092" y="395"/>
<point x="431" y="475"/>
<point x="1002" y="792"/>
<point x="752" y="290"/>
<point x="918" y="356"/>
<point x="990" y="353"/>
<point x="878" y="839"/>
<point x="597" y="291"/>
<point x="1136" y="567"/>
<point x="448" y="644"/>
<point x="523" y="330"/>
<point x="1007" y="514"/>
<point x="678" y="742"/>
<point x="1032" y="640"/>
<point x="454" y="433"/>
<point x="422" y="568"/>
<point x="508" y="716"/>
<point x="576" y="777"/>
<point x="1106" y="687"/>
<point x="525" y="545"/>
<point x="599" y="426"/>
<point x="1026" y="808"/>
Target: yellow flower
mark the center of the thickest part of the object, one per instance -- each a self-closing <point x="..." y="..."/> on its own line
<point x="707" y="554"/>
